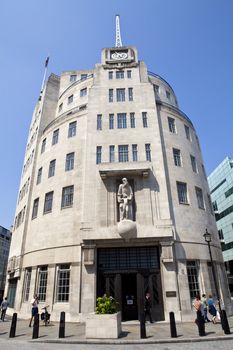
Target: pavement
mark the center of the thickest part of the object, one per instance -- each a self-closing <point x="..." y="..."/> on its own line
<point x="158" y="332"/>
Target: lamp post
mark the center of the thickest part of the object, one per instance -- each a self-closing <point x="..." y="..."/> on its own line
<point x="208" y="239"/>
<point x="224" y="321"/>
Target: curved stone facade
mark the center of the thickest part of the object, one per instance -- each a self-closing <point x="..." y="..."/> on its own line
<point x="89" y="130"/>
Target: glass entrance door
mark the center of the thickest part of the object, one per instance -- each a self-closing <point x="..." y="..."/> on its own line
<point x="129" y="297"/>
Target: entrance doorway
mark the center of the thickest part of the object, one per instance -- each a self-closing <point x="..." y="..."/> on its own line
<point x="127" y="274"/>
<point x="129" y="297"/>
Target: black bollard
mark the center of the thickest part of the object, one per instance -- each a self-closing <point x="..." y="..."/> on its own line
<point x="224" y="321"/>
<point x="200" y="324"/>
<point x="13" y="325"/>
<point x="142" y="326"/>
<point x="172" y="325"/>
<point x="62" y="325"/>
<point x="35" y="330"/>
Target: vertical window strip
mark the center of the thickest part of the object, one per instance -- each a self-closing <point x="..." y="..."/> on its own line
<point x="148" y="152"/>
<point x="98" y="154"/>
<point x="42" y="283"/>
<point x="132" y="120"/>
<point x="111" y="121"/>
<point x="144" y="120"/>
<point x="182" y="192"/>
<point x="111" y="153"/>
<point x="135" y="152"/>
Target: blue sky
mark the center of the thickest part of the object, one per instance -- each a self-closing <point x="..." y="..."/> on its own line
<point x="187" y="42"/>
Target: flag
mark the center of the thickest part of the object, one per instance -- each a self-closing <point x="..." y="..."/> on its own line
<point x="46" y="61"/>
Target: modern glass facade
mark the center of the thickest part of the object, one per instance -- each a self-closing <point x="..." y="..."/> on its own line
<point x="221" y="190"/>
<point x="5" y="239"/>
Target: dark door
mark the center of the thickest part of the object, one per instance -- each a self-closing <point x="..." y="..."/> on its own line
<point x="129" y="297"/>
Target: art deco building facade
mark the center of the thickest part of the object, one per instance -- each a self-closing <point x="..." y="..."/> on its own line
<point x="90" y="129"/>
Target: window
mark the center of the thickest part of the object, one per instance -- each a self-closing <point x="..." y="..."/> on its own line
<point x="69" y="161"/>
<point x="35" y="208"/>
<point x="168" y="95"/>
<point x="27" y="282"/>
<point x="135" y="152"/>
<point x="72" y="129"/>
<point x="130" y="92"/>
<point x="187" y="132"/>
<point x="220" y="235"/>
<point x="83" y="76"/>
<point x="111" y="154"/>
<point x="132" y="120"/>
<point x="73" y="77"/>
<point x="177" y="157"/>
<point x="42" y="283"/>
<point x="148" y="152"/>
<point x="48" y="202"/>
<point x="129" y="74"/>
<point x="156" y="88"/>
<point x="121" y="121"/>
<point x="110" y="75"/>
<point x="60" y="107"/>
<point x="193" y="163"/>
<point x="111" y="121"/>
<point x="120" y="95"/>
<point x="67" y="196"/>
<point x="210" y="204"/>
<point x="63" y="283"/>
<point x="171" y="125"/>
<point x="144" y="119"/>
<point x="83" y="92"/>
<point x="123" y="155"/>
<point x="119" y="74"/>
<point x="200" y="200"/>
<point x="98" y="154"/>
<point x="203" y="170"/>
<point x="70" y="99"/>
<point x="43" y="146"/>
<point x="110" y="95"/>
<point x="192" y="274"/>
<point x="39" y="176"/>
<point x="215" y="206"/>
<point x="55" y="137"/>
<point x="99" y="122"/>
<point x="229" y="192"/>
<point x="182" y="192"/>
<point x="52" y="166"/>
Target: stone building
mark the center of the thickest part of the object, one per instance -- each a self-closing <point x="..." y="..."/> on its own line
<point x="90" y="129"/>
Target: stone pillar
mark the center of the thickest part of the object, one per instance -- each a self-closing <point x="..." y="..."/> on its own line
<point x="88" y="280"/>
<point x="169" y="280"/>
<point x="185" y="302"/>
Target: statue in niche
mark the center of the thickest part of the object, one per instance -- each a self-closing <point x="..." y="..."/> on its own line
<point x="124" y="197"/>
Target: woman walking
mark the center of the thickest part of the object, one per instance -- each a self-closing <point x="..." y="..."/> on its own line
<point x="212" y="308"/>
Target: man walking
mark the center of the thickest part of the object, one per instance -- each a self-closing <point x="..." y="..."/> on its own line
<point x="4" y="306"/>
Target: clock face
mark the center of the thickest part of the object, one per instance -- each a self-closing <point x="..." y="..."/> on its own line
<point x="119" y="55"/>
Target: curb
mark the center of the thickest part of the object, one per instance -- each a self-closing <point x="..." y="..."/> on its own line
<point x="136" y="341"/>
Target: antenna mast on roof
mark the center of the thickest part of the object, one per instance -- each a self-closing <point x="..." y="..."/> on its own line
<point x="118" y="32"/>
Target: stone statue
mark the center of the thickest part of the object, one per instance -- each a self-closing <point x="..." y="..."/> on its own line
<point x="124" y="197"/>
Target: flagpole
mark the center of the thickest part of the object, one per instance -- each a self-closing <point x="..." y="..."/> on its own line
<point x="45" y="74"/>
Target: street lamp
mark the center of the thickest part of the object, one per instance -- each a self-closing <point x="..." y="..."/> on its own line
<point x="224" y="321"/>
<point x="208" y="239"/>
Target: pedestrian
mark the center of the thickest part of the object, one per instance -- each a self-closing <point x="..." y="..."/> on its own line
<point x="204" y="302"/>
<point x="4" y="306"/>
<point x="147" y="307"/>
<point x="34" y="303"/>
<point x="200" y="321"/>
<point x="212" y="308"/>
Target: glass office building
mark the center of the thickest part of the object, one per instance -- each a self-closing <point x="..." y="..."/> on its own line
<point x="221" y="190"/>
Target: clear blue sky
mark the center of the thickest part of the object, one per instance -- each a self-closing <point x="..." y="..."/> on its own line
<point x="187" y="42"/>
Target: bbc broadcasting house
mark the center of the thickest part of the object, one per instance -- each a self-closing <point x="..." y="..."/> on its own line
<point x="70" y="243"/>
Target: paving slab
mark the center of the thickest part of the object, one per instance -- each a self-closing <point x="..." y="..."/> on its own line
<point x="158" y="332"/>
